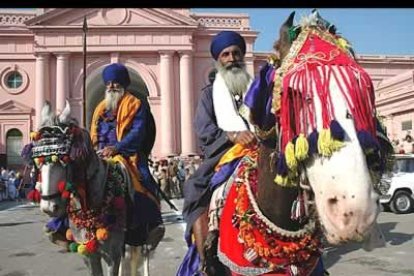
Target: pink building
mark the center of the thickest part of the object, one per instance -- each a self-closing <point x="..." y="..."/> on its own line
<point x="167" y="54"/>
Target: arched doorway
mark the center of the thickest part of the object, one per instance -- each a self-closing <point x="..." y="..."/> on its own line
<point x="14" y="145"/>
<point x="95" y="90"/>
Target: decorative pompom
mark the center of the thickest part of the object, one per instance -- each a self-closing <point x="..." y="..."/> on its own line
<point x="65" y="194"/>
<point x="61" y="186"/>
<point x="54" y="158"/>
<point x="69" y="235"/>
<point x="337" y="132"/>
<point x="102" y="234"/>
<point x="65" y="158"/>
<point x="92" y="246"/>
<point x="119" y="202"/>
<point x="301" y="147"/>
<point x="36" y="161"/>
<point x="324" y="142"/>
<point x="82" y="249"/>
<point x="73" y="247"/>
<point x="291" y="161"/>
<point x="313" y="142"/>
<point x="366" y="141"/>
<point x="281" y="166"/>
<point x="41" y="160"/>
<point x="34" y="196"/>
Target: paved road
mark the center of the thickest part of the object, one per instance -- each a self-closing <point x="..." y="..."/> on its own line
<point x="26" y="251"/>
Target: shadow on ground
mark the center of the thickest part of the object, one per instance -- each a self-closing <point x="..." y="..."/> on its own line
<point x="335" y="254"/>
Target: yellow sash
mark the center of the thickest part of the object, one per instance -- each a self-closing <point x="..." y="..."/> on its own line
<point x="237" y="151"/>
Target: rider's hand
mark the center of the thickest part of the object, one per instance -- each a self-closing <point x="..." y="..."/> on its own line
<point x="245" y="137"/>
<point x="109" y="151"/>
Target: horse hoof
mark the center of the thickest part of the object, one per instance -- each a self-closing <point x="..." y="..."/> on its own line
<point x="155" y="236"/>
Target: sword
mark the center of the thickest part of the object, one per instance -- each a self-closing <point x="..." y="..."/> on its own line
<point x="165" y="197"/>
<point x="84" y="29"/>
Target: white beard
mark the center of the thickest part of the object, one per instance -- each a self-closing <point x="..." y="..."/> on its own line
<point x="112" y="97"/>
<point x="236" y="79"/>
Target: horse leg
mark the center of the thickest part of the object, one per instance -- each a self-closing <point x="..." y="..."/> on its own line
<point x="130" y="262"/>
<point x="93" y="262"/>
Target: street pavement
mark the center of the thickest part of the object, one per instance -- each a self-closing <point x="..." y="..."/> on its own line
<point x="26" y="251"/>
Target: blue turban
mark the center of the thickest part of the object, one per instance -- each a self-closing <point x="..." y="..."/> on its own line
<point x="226" y="39"/>
<point x="116" y="72"/>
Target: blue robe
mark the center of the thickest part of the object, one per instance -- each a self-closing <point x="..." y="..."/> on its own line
<point x="146" y="214"/>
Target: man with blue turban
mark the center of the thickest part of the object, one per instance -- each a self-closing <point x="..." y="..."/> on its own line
<point x="123" y="129"/>
<point x="219" y="126"/>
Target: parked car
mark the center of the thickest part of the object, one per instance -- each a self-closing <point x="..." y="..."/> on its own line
<point x="397" y="187"/>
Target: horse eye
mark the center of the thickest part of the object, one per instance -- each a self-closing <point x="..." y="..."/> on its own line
<point x="348" y="115"/>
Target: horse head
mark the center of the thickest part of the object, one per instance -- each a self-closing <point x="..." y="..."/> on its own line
<point x="63" y="155"/>
<point x="327" y="126"/>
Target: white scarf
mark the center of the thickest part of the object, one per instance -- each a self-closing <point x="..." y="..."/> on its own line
<point x="225" y="108"/>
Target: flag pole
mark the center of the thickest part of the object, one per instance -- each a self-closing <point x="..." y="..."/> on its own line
<point x="85" y="30"/>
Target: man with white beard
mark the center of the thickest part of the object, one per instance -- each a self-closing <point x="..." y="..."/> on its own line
<point x="218" y="125"/>
<point x="123" y="129"/>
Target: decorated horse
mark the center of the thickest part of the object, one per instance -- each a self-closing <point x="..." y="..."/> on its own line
<point x="86" y="196"/>
<point x="316" y="104"/>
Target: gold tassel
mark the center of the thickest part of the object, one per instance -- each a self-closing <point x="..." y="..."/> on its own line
<point x="291" y="161"/>
<point x="301" y="148"/>
<point x="324" y="142"/>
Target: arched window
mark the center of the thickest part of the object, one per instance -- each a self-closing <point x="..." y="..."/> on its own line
<point x="14" y="145"/>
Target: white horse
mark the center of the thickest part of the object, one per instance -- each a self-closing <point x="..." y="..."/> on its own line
<point x="95" y="197"/>
<point x="324" y="101"/>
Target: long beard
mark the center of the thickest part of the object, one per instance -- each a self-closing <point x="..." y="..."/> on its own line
<point x="236" y="77"/>
<point x="112" y="97"/>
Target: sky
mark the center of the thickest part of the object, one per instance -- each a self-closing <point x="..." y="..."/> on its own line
<point x="370" y="31"/>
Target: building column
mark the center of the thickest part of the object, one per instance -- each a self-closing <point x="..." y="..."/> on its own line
<point x="42" y="84"/>
<point x="62" y="80"/>
<point x="188" y="144"/>
<point x="167" y="104"/>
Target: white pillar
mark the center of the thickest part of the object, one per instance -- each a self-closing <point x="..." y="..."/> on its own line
<point x="188" y="144"/>
<point x="167" y="101"/>
<point x="42" y="84"/>
<point x="62" y="80"/>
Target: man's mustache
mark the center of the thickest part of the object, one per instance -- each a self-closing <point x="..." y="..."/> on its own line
<point x="113" y="90"/>
<point x="234" y="65"/>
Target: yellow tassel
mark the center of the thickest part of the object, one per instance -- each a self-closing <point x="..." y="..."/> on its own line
<point x="301" y="147"/>
<point x="324" y="142"/>
<point x="36" y="161"/>
<point x="291" y="161"/>
<point x="280" y="180"/>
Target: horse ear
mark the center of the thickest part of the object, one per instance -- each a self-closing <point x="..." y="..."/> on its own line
<point x="289" y="22"/>
<point x="46" y="113"/>
<point x="64" y="117"/>
<point x="284" y="43"/>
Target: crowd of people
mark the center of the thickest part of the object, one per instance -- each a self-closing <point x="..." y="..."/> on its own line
<point x="171" y="173"/>
<point x="11" y="185"/>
